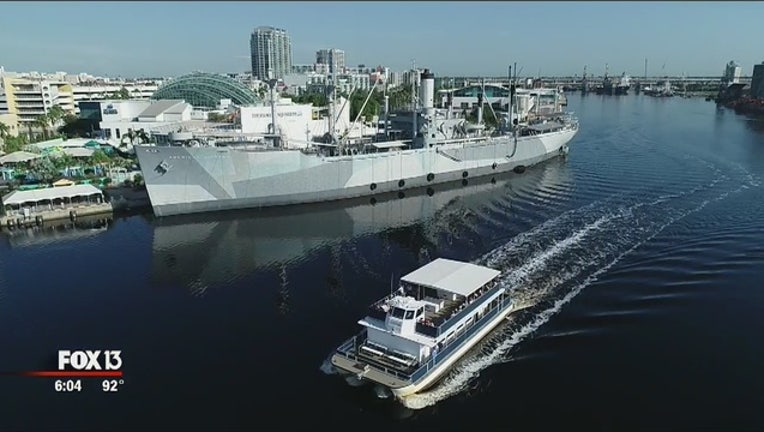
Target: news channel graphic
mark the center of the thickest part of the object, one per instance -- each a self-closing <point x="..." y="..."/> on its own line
<point x="80" y="370"/>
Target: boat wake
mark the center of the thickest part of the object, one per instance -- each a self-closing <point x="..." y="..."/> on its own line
<point x="549" y="265"/>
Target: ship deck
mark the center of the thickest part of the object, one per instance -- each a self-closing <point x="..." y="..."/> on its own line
<point x="370" y="373"/>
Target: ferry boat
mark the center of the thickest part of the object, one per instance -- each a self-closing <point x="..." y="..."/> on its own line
<point x="410" y="338"/>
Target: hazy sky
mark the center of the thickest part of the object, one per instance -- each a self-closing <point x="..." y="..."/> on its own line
<point x="452" y="38"/>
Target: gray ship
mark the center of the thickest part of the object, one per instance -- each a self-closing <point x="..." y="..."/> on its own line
<point x="446" y="147"/>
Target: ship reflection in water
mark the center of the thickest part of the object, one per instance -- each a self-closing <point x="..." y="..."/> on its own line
<point x="57" y="231"/>
<point x="201" y="251"/>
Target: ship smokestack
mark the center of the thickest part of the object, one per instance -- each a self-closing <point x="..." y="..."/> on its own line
<point x="480" y="108"/>
<point x="450" y="104"/>
<point x="427" y="92"/>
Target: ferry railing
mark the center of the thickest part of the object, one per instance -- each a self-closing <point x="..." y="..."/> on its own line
<point x="451" y="321"/>
<point x="459" y="341"/>
<point x="350" y="347"/>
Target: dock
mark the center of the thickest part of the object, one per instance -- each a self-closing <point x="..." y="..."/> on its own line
<point x="38" y="218"/>
<point x="34" y="207"/>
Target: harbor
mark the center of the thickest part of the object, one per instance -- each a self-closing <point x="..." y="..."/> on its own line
<point x="475" y="216"/>
<point x="307" y="275"/>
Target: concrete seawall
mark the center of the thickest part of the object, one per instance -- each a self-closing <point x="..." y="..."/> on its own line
<point x="37" y="218"/>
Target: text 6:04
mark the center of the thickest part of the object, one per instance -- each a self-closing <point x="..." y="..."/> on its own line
<point x="67" y="385"/>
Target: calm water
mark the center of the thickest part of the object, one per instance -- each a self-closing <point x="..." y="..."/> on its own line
<point x="642" y="253"/>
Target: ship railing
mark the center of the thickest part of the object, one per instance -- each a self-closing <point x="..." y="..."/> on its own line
<point x="444" y="353"/>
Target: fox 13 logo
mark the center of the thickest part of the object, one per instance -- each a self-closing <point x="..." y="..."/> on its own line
<point x="89" y="360"/>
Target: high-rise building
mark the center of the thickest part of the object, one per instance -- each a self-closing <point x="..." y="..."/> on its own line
<point x="271" y="51"/>
<point x="334" y="58"/>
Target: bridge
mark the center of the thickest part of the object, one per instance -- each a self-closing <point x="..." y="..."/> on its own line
<point x="574" y="82"/>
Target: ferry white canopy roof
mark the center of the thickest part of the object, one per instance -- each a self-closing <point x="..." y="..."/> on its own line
<point x="35" y="195"/>
<point x="452" y="276"/>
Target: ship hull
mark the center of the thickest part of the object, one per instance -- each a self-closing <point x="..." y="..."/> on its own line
<point x="182" y="180"/>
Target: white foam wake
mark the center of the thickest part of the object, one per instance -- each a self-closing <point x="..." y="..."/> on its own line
<point x="557" y="265"/>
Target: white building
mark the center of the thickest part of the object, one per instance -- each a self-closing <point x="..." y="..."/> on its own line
<point x="300" y="123"/>
<point x="102" y="91"/>
<point x="120" y="116"/>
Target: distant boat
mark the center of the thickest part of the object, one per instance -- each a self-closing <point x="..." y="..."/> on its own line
<point x="661" y="91"/>
<point x="622" y="88"/>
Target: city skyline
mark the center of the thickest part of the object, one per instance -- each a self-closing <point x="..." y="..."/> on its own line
<point x="452" y="39"/>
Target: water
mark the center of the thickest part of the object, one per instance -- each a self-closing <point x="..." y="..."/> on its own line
<point x="641" y="257"/>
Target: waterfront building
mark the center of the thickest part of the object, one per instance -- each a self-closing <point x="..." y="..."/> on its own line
<point x="118" y="117"/>
<point x="333" y="57"/>
<point x="271" y="50"/>
<point x="29" y="98"/>
<point x="757" y="81"/>
<point x="732" y="73"/>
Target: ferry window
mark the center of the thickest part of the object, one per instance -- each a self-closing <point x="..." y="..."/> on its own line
<point x="409" y="314"/>
<point x="420" y="311"/>
<point x="398" y="313"/>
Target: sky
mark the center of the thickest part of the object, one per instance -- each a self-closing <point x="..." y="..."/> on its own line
<point x="153" y="39"/>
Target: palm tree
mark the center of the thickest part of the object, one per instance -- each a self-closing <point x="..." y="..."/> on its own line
<point x="55" y="113"/>
<point x="131" y="135"/>
<point x="4" y="130"/>
<point x="41" y="121"/>
<point x="141" y="134"/>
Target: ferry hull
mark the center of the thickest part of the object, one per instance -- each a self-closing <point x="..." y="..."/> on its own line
<point x="182" y="180"/>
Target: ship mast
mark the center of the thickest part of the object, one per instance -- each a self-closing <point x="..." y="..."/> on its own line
<point x="514" y="126"/>
<point x="331" y="93"/>
<point x="509" y="109"/>
<point x="413" y="101"/>
<point x="387" y="108"/>
<point x="274" y="123"/>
